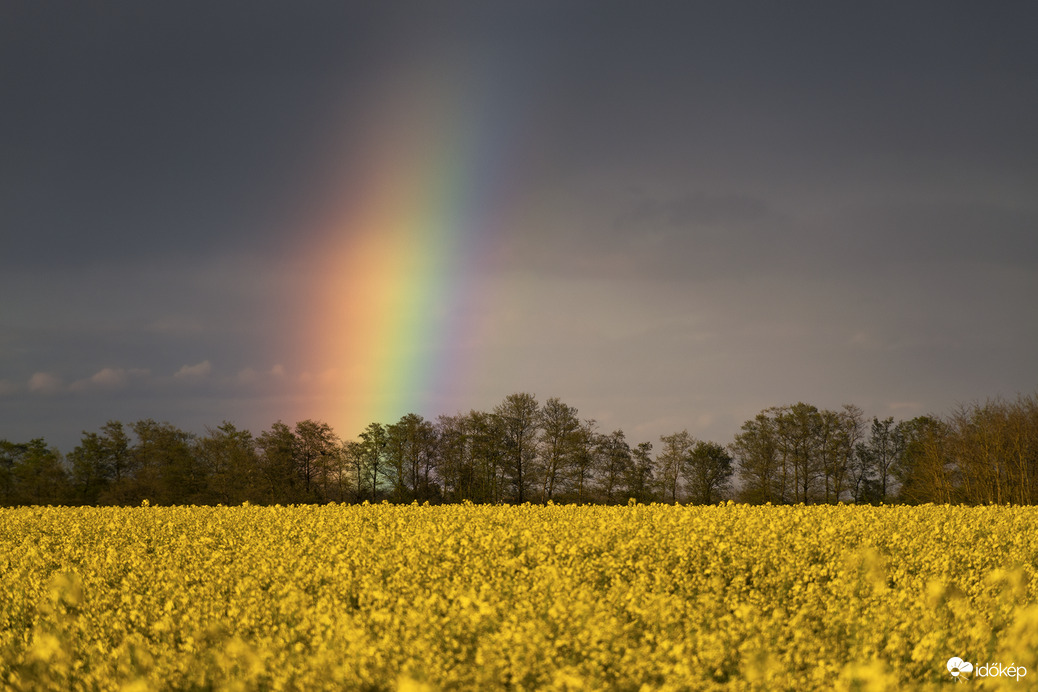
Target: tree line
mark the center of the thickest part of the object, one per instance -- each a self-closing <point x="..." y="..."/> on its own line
<point x="527" y="451"/>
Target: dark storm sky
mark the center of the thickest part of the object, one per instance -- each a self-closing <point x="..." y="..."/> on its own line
<point x="715" y="207"/>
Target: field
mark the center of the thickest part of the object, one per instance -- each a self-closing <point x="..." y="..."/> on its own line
<point x="528" y="597"/>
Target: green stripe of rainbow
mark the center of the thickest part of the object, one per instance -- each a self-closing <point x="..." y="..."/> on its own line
<point x="398" y="259"/>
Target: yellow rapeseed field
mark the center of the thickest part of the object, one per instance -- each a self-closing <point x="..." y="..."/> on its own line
<point x="517" y="597"/>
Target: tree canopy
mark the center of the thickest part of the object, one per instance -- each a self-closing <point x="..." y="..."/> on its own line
<point x="527" y="451"/>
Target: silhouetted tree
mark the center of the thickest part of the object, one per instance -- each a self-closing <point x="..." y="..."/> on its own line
<point x="487" y="450"/>
<point x="315" y="450"/>
<point x="519" y="416"/>
<point x="925" y="471"/>
<point x="375" y="472"/>
<point x="352" y="460"/>
<point x="707" y="473"/>
<point x="278" y="479"/>
<point x="560" y="438"/>
<point x="411" y="448"/>
<point x="756" y="451"/>
<point x="232" y="465"/>
<point x="584" y="460"/>
<point x="614" y="456"/>
<point x="840" y="433"/>
<point x="9" y="453"/>
<point x="639" y="478"/>
<point x="166" y="470"/>
<point x="800" y="446"/>
<point x="982" y="453"/>
<point x="90" y="474"/>
<point x="101" y="466"/>
<point x="876" y="458"/>
<point x="456" y="461"/>
<point x="669" y="463"/>
<point x="31" y="473"/>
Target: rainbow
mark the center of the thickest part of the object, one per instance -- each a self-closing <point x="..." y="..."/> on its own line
<point x="414" y="226"/>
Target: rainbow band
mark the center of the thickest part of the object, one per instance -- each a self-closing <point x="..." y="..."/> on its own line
<point x="399" y="258"/>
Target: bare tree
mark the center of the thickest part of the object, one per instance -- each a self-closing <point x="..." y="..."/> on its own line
<point x="615" y="459"/>
<point x="639" y="473"/>
<point x="315" y="450"/>
<point x="558" y="445"/>
<point x="411" y="452"/>
<point x="374" y="471"/>
<point x="486" y="444"/>
<point x="670" y="461"/>
<point x="584" y="460"/>
<point x="277" y="464"/>
<point x="456" y="460"/>
<point x="519" y="416"/>
<point x="875" y="460"/>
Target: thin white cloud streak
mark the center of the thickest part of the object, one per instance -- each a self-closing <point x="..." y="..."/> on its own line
<point x="195" y="372"/>
<point x="109" y="379"/>
<point x="251" y="377"/>
<point x="45" y="383"/>
<point x="121" y="381"/>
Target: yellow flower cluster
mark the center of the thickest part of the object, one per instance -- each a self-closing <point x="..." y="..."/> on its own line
<point x="527" y="597"/>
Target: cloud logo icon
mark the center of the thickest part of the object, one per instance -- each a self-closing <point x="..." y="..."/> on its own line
<point x="957" y="667"/>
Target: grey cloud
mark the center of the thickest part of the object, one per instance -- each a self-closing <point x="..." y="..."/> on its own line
<point x="942" y="231"/>
<point x="709" y="208"/>
<point x="693" y="209"/>
<point x="693" y="237"/>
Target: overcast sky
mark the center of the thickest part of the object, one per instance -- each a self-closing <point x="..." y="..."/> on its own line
<point x="688" y="211"/>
